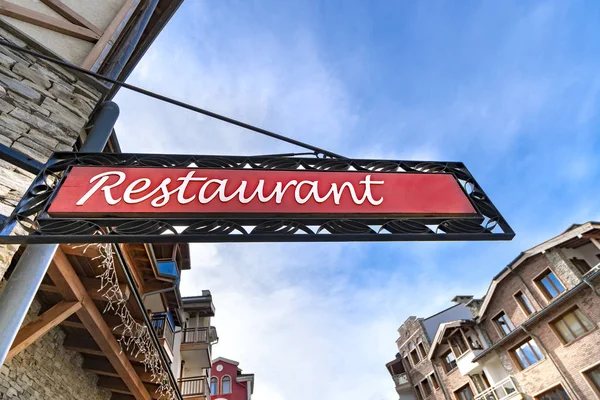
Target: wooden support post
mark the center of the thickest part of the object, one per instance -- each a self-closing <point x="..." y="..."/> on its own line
<point x="64" y="276"/>
<point x="36" y="18"/>
<point x="41" y="325"/>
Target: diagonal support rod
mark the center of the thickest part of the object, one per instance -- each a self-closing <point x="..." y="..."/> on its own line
<point x="317" y="150"/>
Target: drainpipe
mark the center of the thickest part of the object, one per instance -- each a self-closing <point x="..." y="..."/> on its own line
<point x="438" y="376"/>
<point x="564" y="377"/>
<point x="24" y="282"/>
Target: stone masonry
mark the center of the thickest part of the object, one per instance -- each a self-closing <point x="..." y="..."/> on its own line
<point x="46" y="370"/>
<point x="43" y="109"/>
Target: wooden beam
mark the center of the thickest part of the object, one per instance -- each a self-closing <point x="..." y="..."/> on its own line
<point x="41" y="325"/>
<point x="108" y="38"/>
<point x="116" y="385"/>
<point x="101" y="366"/>
<point x="139" y="281"/>
<point x="92" y="286"/>
<point x="86" y="345"/>
<point x="78" y="250"/>
<point x="64" y="276"/>
<point x="70" y="15"/>
<point x="36" y="18"/>
<point x="113" y="322"/>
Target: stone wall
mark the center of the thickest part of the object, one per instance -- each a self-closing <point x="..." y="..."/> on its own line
<point x="43" y="109"/>
<point x="46" y="370"/>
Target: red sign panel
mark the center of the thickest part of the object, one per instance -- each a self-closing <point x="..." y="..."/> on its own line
<point x="159" y="192"/>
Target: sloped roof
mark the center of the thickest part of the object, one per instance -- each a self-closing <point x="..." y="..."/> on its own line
<point x="574" y="231"/>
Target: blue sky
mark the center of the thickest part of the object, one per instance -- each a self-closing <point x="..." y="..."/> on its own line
<point x="509" y="88"/>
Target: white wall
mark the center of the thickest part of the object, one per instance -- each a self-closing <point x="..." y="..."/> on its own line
<point x="494" y="370"/>
<point x="587" y="252"/>
<point x="98" y="12"/>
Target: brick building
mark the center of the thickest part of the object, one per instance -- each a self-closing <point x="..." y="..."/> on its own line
<point x="85" y="336"/>
<point x="228" y="382"/>
<point x="534" y="335"/>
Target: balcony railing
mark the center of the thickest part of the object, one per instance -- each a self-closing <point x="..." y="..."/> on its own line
<point x="504" y="389"/>
<point x="200" y="335"/>
<point x="193" y="386"/>
<point x="162" y="327"/>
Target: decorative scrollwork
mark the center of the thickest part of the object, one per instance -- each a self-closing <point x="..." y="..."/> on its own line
<point x="30" y="212"/>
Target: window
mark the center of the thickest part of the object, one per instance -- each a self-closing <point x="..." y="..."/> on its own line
<point x="464" y="393"/>
<point x="572" y="325"/>
<point x="549" y="285"/>
<point x="525" y="304"/>
<point x="449" y="361"/>
<point x="557" y="393"/>
<point x="436" y="385"/>
<point x="422" y="350"/>
<point x="527" y="354"/>
<point x="458" y="344"/>
<point x="426" y="387"/>
<point x="214" y="385"/>
<point x="414" y="356"/>
<point x="225" y="385"/>
<point x="504" y="324"/>
<point x="582" y="266"/>
<point x="593" y="376"/>
<point x="418" y="392"/>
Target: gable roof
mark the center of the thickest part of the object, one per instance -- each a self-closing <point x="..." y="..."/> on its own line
<point x="441" y="332"/>
<point x="574" y="231"/>
<point x="226" y="360"/>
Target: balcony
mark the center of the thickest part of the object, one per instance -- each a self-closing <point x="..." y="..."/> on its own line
<point x="163" y="327"/>
<point x="196" y="346"/>
<point x="465" y="363"/>
<point x="194" y="387"/>
<point x="505" y="389"/>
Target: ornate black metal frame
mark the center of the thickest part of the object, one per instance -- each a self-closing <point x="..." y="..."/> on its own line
<point x="30" y="214"/>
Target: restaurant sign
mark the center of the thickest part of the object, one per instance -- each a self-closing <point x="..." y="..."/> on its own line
<point x="151" y="198"/>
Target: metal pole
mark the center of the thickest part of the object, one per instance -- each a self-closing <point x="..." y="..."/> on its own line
<point x="18" y="294"/>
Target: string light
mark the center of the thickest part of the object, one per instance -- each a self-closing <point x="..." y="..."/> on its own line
<point x="135" y="337"/>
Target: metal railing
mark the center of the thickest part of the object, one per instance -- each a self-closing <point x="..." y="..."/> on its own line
<point x="164" y="330"/>
<point x="199" y="335"/>
<point x="504" y="389"/>
<point x="193" y="386"/>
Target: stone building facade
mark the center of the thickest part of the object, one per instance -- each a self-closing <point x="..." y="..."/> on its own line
<point x="43" y="109"/>
<point x="535" y="333"/>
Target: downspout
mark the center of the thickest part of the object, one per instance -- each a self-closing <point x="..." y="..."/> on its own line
<point x="564" y="377"/>
<point x="441" y="383"/>
<point x="138" y="299"/>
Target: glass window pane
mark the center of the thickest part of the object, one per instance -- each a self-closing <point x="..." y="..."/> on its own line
<point x="573" y="323"/>
<point x="536" y="350"/>
<point x="521" y="358"/>
<point x="586" y="322"/>
<point x="556" y="282"/>
<point x="526" y="303"/>
<point x="595" y="377"/>
<point x="528" y="351"/>
<point x="226" y="385"/>
<point x="549" y="288"/>
<point x="564" y="331"/>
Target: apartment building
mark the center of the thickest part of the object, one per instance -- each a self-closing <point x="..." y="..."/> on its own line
<point x="228" y="382"/>
<point x="534" y="335"/>
<point x="107" y="322"/>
